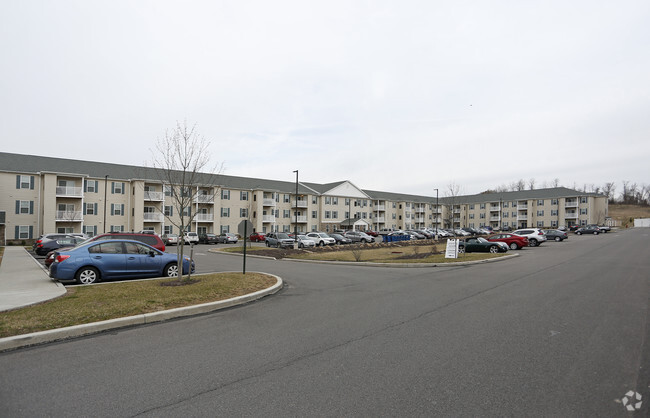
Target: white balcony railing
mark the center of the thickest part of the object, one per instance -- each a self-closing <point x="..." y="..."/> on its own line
<point x="299" y="204"/>
<point x="299" y="219"/>
<point x="69" y="216"/>
<point x="380" y="207"/>
<point x="571" y="215"/>
<point x="153" y="217"/>
<point x="148" y="195"/>
<point x="69" y="191"/>
<point x="268" y="218"/>
<point x="380" y="219"/>
<point x="204" y="217"/>
<point x="495" y="208"/>
<point x="204" y="198"/>
<point x="268" y="202"/>
<point x="571" y="204"/>
<point x="522" y="206"/>
<point x="522" y="217"/>
<point x="419" y="219"/>
<point x="494" y="218"/>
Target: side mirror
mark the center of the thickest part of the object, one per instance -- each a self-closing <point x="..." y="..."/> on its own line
<point x="152" y="254"/>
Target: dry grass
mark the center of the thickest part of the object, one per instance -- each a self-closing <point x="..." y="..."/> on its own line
<point x="626" y="214"/>
<point x="86" y="304"/>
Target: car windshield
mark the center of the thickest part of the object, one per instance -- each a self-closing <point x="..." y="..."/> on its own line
<point x="323" y="235"/>
<point x="483" y="240"/>
<point x="283" y="236"/>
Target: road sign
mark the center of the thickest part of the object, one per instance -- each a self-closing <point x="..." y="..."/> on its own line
<point x="452" y="248"/>
<point x="245" y="227"/>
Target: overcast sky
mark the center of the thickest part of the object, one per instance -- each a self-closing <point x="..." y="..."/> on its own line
<point x="402" y="96"/>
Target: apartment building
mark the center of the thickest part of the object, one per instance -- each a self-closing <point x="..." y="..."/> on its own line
<point x="44" y="194"/>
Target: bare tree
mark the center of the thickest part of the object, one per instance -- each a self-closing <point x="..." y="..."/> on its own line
<point x="531" y="184"/>
<point x="519" y="185"/>
<point x="181" y="160"/>
<point x="608" y="190"/>
<point x="452" y="193"/>
<point x="556" y="182"/>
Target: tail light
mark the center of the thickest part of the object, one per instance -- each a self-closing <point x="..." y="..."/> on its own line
<point x="540" y="233"/>
<point x="60" y="258"/>
<point x="39" y="245"/>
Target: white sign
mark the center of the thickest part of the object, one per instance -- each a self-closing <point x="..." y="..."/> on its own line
<point x="452" y="248"/>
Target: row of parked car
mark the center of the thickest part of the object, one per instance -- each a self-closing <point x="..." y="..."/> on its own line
<point x="311" y="239"/>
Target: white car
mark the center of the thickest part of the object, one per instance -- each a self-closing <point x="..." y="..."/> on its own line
<point x="304" y="242"/>
<point x="535" y="235"/>
<point x="191" y="238"/>
<point x="321" y="238"/>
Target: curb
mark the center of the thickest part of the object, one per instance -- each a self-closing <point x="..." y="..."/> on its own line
<point x="42" y="337"/>
<point x="218" y="251"/>
<point x="403" y="265"/>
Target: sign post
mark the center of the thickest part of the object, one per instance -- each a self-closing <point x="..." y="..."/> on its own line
<point x="452" y="248"/>
<point x="242" y="229"/>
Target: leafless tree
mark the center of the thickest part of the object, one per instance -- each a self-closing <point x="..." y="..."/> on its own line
<point x="531" y="184"/>
<point x="608" y="190"/>
<point x="181" y="161"/>
<point x="556" y="182"/>
<point x="451" y="199"/>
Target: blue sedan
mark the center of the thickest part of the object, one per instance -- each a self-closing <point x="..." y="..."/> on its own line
<point x="111" y="259"/>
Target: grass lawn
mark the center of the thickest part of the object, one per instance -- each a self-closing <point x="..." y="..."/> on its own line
<point x="375" y="254"/>
<point x="86" y="304"/>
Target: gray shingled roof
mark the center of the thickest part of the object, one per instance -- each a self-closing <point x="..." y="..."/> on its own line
<point x="26" y="164"/>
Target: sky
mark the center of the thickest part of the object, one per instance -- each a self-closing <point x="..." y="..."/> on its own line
<point x="401" y="96"/>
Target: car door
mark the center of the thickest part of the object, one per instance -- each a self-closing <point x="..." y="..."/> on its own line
<point x="109" y="258"/>
<point x="140" y="262"/>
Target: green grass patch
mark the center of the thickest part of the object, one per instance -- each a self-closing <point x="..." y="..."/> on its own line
<point x="86" y="304"/>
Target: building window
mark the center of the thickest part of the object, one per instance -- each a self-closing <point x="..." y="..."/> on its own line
<point x="286" y="198"/>
<point x="314" y="200"/>
<point x="225" y="212"/>
<point x="482" y="215"/>
<point x="117" y="228"/>
<point x="91" y="209"/>
<point x="328" y="200"/>
<point x="225" y="194"/>
<point x="225" y="229"/>
<point x="168" y="229"/>
<point x="394" y="217"/>
<point x="347" y="201"/>
<point x="583" y="211"/>
<point x="314" y="214"/>
<point x="505" y="204"/>
<point x="540" y="213"/>
<point x="286" y="213"/>
<point x="24" y="207"/>
<point x="554" y="224"/>
<point x="471" y="216"/>
<point x="471" y="207"/>
<point x="168" y="190"/>
<point x="243" y="195"/>
<point x="540" y="224"/>
<point x="90" y="230"/>
<point x="540" y="202"/>
<point x="394" y="205"/>
<point x="482" y="206"/>
<point x="364" y="215"/>
<point x="169" y="211"/>
<point x="335" y="200"/>
<point x="505" y="214"/>
<point x="91" y="186"/>
<point x="243" y="213"/>
<point x="335" y="214"/>
<point x="554" y="212"/>
<point x="117" y="187"/>
<point x="583" y="199"/>
<point x="328" y="214"/>
<point x="554" y="202"/>
<point x="117" y="209"/>
<point x="23" y="232"/>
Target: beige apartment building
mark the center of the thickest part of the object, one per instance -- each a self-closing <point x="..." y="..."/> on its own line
<point x="45" y="195"/>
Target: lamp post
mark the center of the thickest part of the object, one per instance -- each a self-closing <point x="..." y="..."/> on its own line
<point x="295" y="227"/>
<point x="105" y="194"/>
<point x="436" y="214"/>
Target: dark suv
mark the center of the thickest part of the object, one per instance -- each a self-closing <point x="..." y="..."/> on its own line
<point x="150" y="239"/>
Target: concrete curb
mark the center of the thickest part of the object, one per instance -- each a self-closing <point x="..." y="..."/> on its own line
<point x="403" y="265"/>
<point x="42" y="337"/>
<point x="218" y="251"/>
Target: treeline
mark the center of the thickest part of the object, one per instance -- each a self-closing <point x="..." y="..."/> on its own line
<point x="630" y="193"/>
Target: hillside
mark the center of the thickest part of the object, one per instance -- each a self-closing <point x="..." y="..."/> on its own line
<point x="625" y="214"/>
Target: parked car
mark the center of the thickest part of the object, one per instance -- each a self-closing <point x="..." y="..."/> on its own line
<point x="191" y="238"/>
<point x="257" y="237"/>
<point x="66" y="242"/>
<point x="149" y="239"/>
<point x="208" y="238"/>
<point x="461" y="232"/>
<point x="603" y="228"/>
<point x="340" y="239"/>
<point x="304" y="242"/>
<point x="515" y="242"/>
<point x="481" y="245"/>
<point x="416" y="234"/>
<point x="227" y="238"/>
<point x="372" y="233"/>
<point x="47" y="237"/>
<point x="170" y="239"/>
<point x="555" y="235"/>
<point x="589" y="229"/>
<point x="322" y="239"/>
<point x="279" y="240"/>
<point x="111" y="259"/>
<point x="535" y="235"/>
<point x="358" y="236"/>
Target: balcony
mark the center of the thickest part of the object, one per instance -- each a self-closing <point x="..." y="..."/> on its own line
<point x="299" y="204"/>
<point x="157" y="196"/>
<point x="68" y="216"/>
<point x="204" y="198"/>
<point x="494" y="219"/>
<point x="571" y="215"/>
<point x="419" y="210"/>
<point x="571" y="204"/>
<point x="380" y="207"/>
<point x="268" y="218"/>
<point x="299" y="219"/>
<point x="204" y="217"/>
<point x="522" y="206"/>
<point x="523" y="217"/>
<point x="268" y="202"/>
<point x="456" y="220"/>
<point x="153" y="217"/>
<point x="379" y="219"/>
<point x="69" y="191"/>
<point x="495" y="208"/>
<point x="419" y="219"/>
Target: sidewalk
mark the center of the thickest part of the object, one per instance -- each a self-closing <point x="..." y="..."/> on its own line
<point x="23" y="281"/>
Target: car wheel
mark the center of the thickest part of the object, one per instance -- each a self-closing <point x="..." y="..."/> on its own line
<point x="513" y="246"/>
<point x="595" y="232"/>
<point x="267" y="244"/>
<point x="171" y="270"/>
<point x="301" y="245"/>
<point x="461" y="250"/>
<point x="494" y="249"/>
<point x="322" y="244"/>
<point x="578" y="233"/>
<point x="558" y="239"/>
<point x="533" y="243"/>
<point x="87" y="275"/>
<point x="278" y="245"/>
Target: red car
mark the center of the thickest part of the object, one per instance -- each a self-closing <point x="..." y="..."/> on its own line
<point x="371" y="233"/>
<point x="257" y="237"/>
<point x="514" y="241"/>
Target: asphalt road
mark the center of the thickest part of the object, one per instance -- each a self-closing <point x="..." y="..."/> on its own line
<point x="561" y="330"/>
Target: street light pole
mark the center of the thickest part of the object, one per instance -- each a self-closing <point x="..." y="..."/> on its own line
<point x="295" y="227"/>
